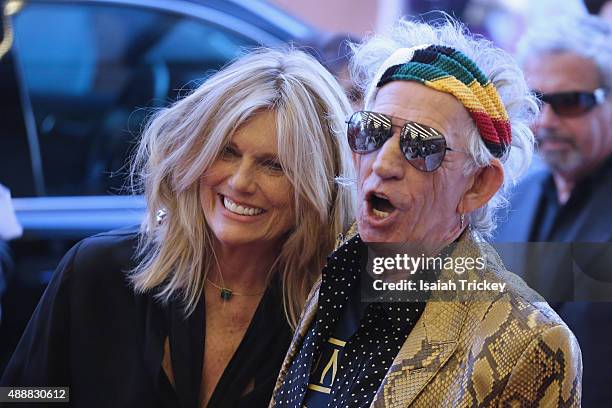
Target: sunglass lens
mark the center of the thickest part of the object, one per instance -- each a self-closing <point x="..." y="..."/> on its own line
<point x="368" y="131"/>
<point x="570" y="103"/>
<point x="424" y="147"/>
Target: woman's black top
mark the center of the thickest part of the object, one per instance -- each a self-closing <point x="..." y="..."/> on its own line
<point x="93" y="333"/>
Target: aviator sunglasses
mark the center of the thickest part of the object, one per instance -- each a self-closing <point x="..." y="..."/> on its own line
<point x="574" y="103"/>
<point x="424" y="147"/>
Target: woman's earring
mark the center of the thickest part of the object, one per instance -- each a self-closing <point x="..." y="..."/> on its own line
<point x="462" y="220"/>
<point x="161" y="216"/>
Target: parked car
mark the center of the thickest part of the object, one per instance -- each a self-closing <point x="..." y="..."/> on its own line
<point x="78" y="82"/>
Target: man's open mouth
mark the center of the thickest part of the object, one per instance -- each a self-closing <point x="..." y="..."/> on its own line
<point x="380" y="205"/>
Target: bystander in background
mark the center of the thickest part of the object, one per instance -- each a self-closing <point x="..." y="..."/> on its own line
<point x="568" y="63"/>
<point x="334" y="52"/>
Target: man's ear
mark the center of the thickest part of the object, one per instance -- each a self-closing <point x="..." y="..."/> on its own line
<point x="485" y="183"/>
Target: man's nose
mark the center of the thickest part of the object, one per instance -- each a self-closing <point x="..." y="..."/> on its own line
<point x="547" y="119"/>
<point x="390" y="161"/>
<point x="243" y="179"/>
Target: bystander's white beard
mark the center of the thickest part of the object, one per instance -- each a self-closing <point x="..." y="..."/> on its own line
<point x="563" y="162"/>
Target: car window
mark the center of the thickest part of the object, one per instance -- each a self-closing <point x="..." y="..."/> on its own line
<point x="93" y="72"/>
<point x="15" y="165"/>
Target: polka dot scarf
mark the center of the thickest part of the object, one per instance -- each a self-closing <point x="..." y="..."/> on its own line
<point x="370" y="350"/>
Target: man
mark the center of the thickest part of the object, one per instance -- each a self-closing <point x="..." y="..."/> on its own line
<point x="568" y="62"/>
<point x="434" y="149"/>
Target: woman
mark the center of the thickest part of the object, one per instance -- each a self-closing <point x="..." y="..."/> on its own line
<point x="195" y="308"/>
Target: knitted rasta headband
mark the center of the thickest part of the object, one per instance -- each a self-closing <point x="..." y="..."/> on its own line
<point x="448" y="70"/>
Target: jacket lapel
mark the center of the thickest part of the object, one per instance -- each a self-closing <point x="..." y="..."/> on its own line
<point x="432" y="341"/>
<point x="308" y="315"/>
<point x="187" y="351"/>
<point x="430" y="344"/>
<point x="595" y="220"/>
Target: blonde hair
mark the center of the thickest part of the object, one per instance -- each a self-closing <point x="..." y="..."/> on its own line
<point x="182" y="141"/>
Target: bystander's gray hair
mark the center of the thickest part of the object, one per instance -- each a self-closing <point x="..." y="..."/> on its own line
<point x="584" y="35"/>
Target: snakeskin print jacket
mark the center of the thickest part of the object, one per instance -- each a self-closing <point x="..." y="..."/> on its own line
<point x="510" y="350"/>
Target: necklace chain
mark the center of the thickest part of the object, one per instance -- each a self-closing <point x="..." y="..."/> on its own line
<point x="227" y="294"/>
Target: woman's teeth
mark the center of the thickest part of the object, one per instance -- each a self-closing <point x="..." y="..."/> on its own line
<point x="239" y="209"/>
<point x="380" y="214"/>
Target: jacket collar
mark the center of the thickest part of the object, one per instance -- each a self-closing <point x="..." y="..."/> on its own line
<point x="427" y="348"/>
<point x="433" y="340"/>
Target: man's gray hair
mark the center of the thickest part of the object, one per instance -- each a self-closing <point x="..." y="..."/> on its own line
<point x="584" y="35"/>
<point x="497" y="65"/>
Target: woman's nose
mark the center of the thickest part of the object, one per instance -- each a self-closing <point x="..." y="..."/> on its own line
<point x="243" y="179"/>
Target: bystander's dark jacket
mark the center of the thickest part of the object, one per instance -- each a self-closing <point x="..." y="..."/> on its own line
<point x="586" y="224"/>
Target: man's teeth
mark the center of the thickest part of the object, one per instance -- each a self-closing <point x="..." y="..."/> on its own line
<point x="380" y="214"/>
<point x="239" y="209"/>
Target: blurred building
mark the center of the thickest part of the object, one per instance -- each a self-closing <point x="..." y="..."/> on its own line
<point x="503" y="21"/>
<point x="356" y="17"/>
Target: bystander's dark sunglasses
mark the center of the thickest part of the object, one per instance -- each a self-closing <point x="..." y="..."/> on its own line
<point x="424" y="147"/>
<point x="574" y="103"/>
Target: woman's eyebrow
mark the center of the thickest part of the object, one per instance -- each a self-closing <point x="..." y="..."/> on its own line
<point x="266" y="156"/>
<point x="259" y="156"/>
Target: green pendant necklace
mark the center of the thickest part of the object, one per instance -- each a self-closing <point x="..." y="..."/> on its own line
<point x="227" y="294"/>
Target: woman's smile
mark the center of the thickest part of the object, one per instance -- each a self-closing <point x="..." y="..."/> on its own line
<point x="239" y="208"/>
